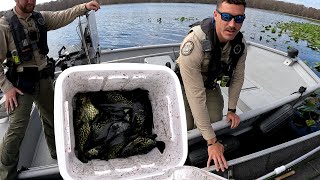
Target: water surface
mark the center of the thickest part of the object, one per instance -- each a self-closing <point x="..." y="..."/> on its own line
<point x="128" y="25"/>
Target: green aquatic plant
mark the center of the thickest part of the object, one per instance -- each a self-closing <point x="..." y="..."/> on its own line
<point x="267" y="28"/>
<point x="308" y="113"/>
<point x="274" y="39"/>
<point x="317" y="66"/>
<point x="182" y="19"/>
<point x="310" y="108"/>
<point x="302" y="31"/>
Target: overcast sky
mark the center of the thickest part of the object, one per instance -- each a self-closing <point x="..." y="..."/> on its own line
<point x="307" y="3"/>
<point x="8" y="4"/>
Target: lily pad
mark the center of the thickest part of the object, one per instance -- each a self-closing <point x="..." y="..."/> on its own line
<point x="302" y="31"/>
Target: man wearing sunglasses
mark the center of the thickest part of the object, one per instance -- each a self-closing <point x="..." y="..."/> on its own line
<point x="212" y="55"/>
<point x="23" y="39"/>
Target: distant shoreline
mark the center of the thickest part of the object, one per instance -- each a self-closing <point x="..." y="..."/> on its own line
<point x="292" y="9"/>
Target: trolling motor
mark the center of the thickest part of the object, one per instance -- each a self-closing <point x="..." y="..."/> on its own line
<point x="292" y="55"/>
<point x="87" y="51"/>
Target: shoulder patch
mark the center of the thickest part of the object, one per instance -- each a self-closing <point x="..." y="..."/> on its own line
<point x="187" y="48"/>
<point x="237" y="49"/>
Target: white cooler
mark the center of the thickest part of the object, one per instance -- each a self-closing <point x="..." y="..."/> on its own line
<point x="168" y="116"/>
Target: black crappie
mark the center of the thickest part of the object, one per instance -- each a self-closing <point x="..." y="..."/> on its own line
<point x="85" y="113"/>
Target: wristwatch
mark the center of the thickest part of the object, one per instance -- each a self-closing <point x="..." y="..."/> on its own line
<point x="213" y="143"/>
<point x="232" y="110"/>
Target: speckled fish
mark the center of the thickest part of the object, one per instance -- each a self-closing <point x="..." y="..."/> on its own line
<point x="142" y="112"/>
<point x="123" y="118"/>
<point x="107" y="120"/>
<point x="110" y="97"/>
<point x="141" y="145"/>
<point x="115" y="147"/>
<point x="85" y="113"/>
<point x="102" y="136"/>
<point x="95" y="152"/>
<point x="139" y="117"/>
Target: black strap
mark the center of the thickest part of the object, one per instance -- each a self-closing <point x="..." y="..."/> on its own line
<point x="237" y="48"/>
<point x="214" y="67"/>
<point x="41" y="25"/>
<point x="19" y="36"/>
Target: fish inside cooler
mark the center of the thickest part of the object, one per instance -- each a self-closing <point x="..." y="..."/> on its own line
<point x="113" y="124"/>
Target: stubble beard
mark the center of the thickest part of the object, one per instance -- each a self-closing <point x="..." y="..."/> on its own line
<point x="28" y="8"/>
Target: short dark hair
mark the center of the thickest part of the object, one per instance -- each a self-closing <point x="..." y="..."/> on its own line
<point x="237" y="2"/>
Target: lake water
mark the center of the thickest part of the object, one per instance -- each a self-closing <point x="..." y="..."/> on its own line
<point x="127" y="25"/>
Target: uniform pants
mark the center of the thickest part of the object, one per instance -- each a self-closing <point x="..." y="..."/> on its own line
<point x="19" y="119"/>
<point x="214" y="104"/>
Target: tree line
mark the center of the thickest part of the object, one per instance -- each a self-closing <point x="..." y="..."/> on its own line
<point x="273" y="5"/>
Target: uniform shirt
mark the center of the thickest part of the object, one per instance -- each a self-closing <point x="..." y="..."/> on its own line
<point x="193" y="63"/>
<point x="54" y="20"/>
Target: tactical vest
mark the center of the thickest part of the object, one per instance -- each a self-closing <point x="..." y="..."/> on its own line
<point x="27" y="42"/>
<point x="211" y="45"/>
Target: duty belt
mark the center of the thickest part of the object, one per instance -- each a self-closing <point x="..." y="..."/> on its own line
<point x="32" y="73"/>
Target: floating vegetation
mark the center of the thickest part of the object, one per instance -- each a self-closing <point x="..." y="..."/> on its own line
<point x="296" y="31"/>
<point x="302" y="31"/>
<point x="267" y="28"/>
<point x="307" y="115"/>
<point x="182" y="19"/>
<point x="274" y="39"/>
<point x="317" y="66"/>
<point x="310" y="108"/>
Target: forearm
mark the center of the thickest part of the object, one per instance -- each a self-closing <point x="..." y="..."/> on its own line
<point x="200" y="113"/>
<point x="196" y="95"/>
<point x="55" y="20"/>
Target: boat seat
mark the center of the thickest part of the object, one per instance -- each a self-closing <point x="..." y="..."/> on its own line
<point x="252" y="96"/>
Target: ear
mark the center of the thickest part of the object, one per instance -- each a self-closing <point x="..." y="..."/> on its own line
<point x="215" y="15"/>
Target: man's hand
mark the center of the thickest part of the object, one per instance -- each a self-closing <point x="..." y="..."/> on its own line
<point x="11" y="99"/>
<point x="215" y="153"/>
<point x="234" y="118"/>
<point x="93" y="5"/>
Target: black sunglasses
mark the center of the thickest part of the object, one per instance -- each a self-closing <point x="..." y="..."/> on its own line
<point x="228" y="17"/>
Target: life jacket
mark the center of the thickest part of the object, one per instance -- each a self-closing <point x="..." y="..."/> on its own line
<point x="27" y="42"/>
<point x="211" y="45"/>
